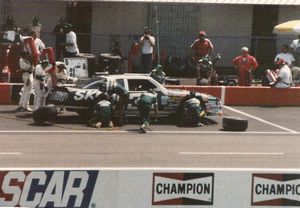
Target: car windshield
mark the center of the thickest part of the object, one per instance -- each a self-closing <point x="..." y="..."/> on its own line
<point x="84" y="82"/>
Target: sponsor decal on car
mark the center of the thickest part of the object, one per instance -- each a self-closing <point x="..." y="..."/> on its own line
<point x="47" y="188"/>
<point x="183" y="189"/>
<point x="87" y="94"/>
<point x="275" y="189"/>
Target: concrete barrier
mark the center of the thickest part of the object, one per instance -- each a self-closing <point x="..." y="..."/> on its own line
<point x="249" y="96"/>
<point x="5" y="93"/>
<point x="149" y="187"/>
<point x="230" y="95"/>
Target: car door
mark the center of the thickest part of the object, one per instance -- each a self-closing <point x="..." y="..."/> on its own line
<point x="136" y="86"/>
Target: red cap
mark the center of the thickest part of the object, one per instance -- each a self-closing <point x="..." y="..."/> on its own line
<point x="280" y="62"/>
<point x="202" y="33"/>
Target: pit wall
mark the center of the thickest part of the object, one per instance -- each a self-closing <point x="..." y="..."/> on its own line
<point x="231" y="96"/>
<point x="249" y="96"/>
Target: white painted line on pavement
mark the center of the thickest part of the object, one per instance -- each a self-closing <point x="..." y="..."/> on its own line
<point x="259" y="119"/>
<point x="231" y="153"/>
<point x="10" y="153"/>
<point x="148" y="132"/>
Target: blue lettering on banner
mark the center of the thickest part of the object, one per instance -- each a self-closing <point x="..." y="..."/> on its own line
<point x="47" y="188"/>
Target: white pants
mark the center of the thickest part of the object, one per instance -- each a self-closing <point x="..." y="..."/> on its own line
<point x="27" y="88"/>
<point x="40" y="95"/>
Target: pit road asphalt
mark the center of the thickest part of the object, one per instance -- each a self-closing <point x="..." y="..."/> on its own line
<point x="271" y="141"/>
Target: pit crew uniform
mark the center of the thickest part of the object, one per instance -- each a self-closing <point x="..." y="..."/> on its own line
<point x="27" y="76"/>
<point x="245" y="64"/>
<point x="202" y="48"/>
<point x="144" y="107"/>
<point x="39" y="86"/>
<point x="194" y="112"/>
<point x="103" y="112"/>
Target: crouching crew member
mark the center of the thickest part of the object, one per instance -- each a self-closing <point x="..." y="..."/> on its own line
<point x="120" y="101"/>
<point x="194" y="111"/>
<point x="144" y="107"/>
<point x="191" y="110"/>
<point x="39" y="85"/>
<point x="26" y="67"/>
<point x="103" y="113"/>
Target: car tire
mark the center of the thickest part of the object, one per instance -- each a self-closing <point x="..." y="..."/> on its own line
<point x="44" y="114"/>
<point x="234" y="124"/>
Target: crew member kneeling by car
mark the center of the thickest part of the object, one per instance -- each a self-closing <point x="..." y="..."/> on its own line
<point x="103" y="111"/>
<point x="144" y="107"/>
<point x="192" y="110"/>
<point x="281" y="78"/>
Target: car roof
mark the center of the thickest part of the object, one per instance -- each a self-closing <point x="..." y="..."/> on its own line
<point x="131" y="75"/>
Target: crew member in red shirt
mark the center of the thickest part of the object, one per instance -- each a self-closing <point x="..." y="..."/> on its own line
<point x="245" y="64"/>
<point x="202" y="46"/>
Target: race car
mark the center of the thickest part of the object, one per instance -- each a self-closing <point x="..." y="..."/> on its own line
<point x="82" y="97"/>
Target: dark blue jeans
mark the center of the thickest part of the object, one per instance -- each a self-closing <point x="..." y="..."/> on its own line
<point x="146" y="63"/>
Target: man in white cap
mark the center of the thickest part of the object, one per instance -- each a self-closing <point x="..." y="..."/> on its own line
<point x="245" y="63"/>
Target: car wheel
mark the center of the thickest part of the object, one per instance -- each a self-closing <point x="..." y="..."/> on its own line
<point x="234" y="124"/>
<point x="44" y="114"/>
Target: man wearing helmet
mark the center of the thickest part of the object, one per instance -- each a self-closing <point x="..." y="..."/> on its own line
<point x="39" y="86"/>
<point x="202" y="46"/>
<point x="35" y="26"/>
<point x="9" y="29"/>
<point x="281" y="78"/>
<point x="245" y="63"/>
<point x="145" y="103"/>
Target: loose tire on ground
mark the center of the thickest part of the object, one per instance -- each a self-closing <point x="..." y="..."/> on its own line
<point x="44" y="114"/>
<point x="234" y="124"/>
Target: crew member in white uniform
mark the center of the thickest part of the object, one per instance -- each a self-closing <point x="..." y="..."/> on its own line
<point x="40" y="88"/>
<point x="71" y="42"/>
<point x="38" y="42"/>
<point x="26" y="67"/>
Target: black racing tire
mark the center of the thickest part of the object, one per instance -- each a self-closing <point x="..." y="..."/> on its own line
<point x="44" y="114"/>
<point x="234" y="124"/>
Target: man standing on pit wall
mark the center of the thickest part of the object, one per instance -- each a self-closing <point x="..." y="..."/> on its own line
<point x="145" y="103"/>
<point x="245" y="64"/>
<point x="281" y="78"/>
<point x="9" y="29"/>
<point x="26" y="67"/>
<point x="201" y="47"/>
<point x="147" y="43"/>
<point x="72" y="49"/>
<point x="295" y="49"/>
<point x="35" y="26"/>
<point x="60" y="41"/>
<point x="38" y="42"/>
